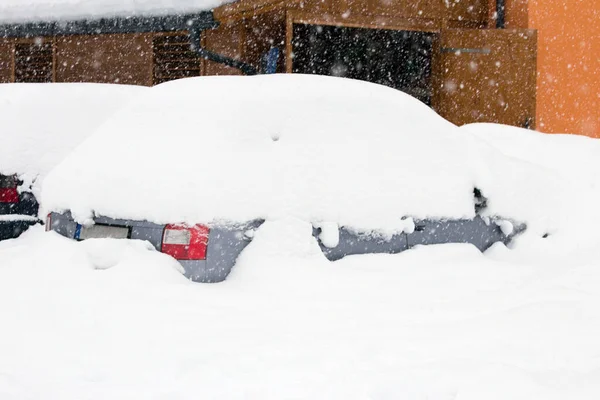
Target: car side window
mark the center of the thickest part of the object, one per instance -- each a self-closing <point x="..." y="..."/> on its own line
<point x="8" y="181"/>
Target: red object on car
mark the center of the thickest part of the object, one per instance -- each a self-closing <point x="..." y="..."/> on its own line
<point x="9" y="195"/>
<point x="184" y="242"/>
<point x="8" y="189"/>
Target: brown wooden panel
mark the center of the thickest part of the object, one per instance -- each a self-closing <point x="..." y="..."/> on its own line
<point x="121" y="58"/>
<point x="173" y="58"/>
<point x="259" y="40"/>
<point x="248" y="8"/>
<point x="398" y="8"/>
<point x="227" y="40"/>
<point x="376" y="22"/>
<point x="366" y="12"/>
<point x="486" y="76"/>
<point x="6" y="62"/>
<point x="467" y="10"/>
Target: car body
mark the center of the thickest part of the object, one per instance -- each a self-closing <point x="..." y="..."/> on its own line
<point x="351" y="158"/>
<point x="18" y="209"/>
<point x="207" y="254"/>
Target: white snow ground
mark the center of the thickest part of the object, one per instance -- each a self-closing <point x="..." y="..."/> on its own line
<point x="113" y="320"/>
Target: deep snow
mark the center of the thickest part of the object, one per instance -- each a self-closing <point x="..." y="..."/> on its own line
<point x="572" y="156"/>
<point x="42" y="123"/>
<point x="112" y="319"/>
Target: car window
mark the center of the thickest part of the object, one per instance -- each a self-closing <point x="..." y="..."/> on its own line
<point x="9" y="181"/>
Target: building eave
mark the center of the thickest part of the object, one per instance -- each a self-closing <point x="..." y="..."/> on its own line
<point x="134" y="24"/>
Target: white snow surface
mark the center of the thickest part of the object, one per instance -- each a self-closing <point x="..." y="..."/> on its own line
<point x="115" y="319"/>
<point x="42" y="123"/>
<point x="19" y="11"/>
<point x="112" y="319"/>
<point x="321" y="149"/>
<point x="572" y="156"/>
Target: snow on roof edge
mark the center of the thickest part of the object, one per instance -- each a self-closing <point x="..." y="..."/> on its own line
<point x="40" y="11"/>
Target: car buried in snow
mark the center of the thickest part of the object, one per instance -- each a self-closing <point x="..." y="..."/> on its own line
<point x="197" y="165"/>
<point x="18" y="209"/>
<point x="41" y="124"/>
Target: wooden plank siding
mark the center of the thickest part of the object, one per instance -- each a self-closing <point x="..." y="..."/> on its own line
<point x="366" y="12"/>
<point x="228" y="40"/>
<point x="115" y="58"/>
<point x="6" y="62"/>
<point x="173" y="58"/>
<point x="487" y="76"/>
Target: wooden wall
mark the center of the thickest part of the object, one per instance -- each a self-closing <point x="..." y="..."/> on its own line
<point x="261" y="33"/>
<point x="6" y="62"/>
<point x="487" y="76"/>
<point x="381" y="13"/>
<point x="125" y="59"/>
<point x="227" y="40"/>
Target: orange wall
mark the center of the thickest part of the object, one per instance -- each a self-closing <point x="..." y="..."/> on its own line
<point x="568" y="93"/>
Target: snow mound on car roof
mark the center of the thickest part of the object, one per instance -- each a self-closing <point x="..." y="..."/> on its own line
<point x="42" y="123"/>
<point x="315" y="148"/>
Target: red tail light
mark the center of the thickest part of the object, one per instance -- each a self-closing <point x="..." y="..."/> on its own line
<point x="48" y="222"/>
<point x="184" y="242"/>
<point x="9" y="195"/>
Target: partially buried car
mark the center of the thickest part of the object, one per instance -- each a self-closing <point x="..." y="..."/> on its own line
<point x="197" y="165"/>
<point x="41" y="124"/>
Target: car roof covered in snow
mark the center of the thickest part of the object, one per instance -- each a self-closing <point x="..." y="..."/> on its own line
<point x="24" y="11"/>
<point x="42" y="123"/>
<point x="317" y="148"/>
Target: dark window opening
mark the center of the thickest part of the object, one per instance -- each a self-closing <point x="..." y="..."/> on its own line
<point x="34" y="62"/>
<point x="399" y="59"/>
<point x="174" y="59"/>
<point x="8" y="181"/>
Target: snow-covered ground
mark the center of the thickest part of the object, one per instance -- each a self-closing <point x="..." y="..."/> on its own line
<point x="111" y="319"/>
<point x="107" y="319"/>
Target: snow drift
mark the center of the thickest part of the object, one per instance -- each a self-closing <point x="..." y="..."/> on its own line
<point x="571" y="156"/>
<point x="42" y="123"/>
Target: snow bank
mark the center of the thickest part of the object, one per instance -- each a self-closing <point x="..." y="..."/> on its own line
<point x="552" y="179"/>
<point x="437" y="322"/>
<point x="239" y="148"/>
<point x="15" y="11"/>
<point x="572" y="156"/>
<point x="42" y="123"/>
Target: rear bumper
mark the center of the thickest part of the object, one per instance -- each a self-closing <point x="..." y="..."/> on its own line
<point x="201" y="271"/>
<point x="13" y="229"/>
<point x="27" y="205"/>
<point x="225" y="243"/>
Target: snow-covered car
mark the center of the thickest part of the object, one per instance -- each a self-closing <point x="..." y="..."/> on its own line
<point x="41" y="124"/>
<point x="18" y="209"/>
<point x="197" y="165"/>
